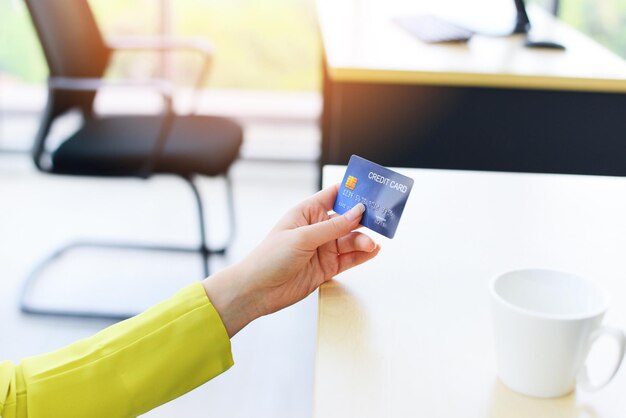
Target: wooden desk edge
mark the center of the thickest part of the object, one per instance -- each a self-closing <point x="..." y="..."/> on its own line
<point x="514" y="81"/>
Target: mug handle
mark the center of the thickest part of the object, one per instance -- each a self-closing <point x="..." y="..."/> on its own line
<point x="618" y="335"/>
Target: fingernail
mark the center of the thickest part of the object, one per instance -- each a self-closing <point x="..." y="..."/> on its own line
<point x="355" y="212"/>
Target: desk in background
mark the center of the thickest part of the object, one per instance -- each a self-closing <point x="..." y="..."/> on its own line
<point x="409" y="333"/>
<point x="489" y="105"/>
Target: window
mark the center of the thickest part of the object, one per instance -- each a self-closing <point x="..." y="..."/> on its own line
<point x="261" y="44"/>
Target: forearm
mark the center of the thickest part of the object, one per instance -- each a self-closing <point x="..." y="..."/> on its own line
<point x="130" y="367"/>
<point x="233" y="298"/>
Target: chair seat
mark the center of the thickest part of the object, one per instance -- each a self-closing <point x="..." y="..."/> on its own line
<point x="124" y="146"/>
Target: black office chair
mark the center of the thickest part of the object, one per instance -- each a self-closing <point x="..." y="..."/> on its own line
<point x="128" y="146"/>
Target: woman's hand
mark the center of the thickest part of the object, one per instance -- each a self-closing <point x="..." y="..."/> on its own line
<point x="306" y="248"/>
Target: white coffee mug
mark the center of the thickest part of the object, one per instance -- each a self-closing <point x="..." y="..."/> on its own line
<point x="545" y="323"/>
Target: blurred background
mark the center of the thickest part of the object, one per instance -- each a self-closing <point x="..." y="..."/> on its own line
<point x="254" y="51"/>
<point x="267" y="64"/>
<point x="265" y="49"/>
<point x="267" y="76"/>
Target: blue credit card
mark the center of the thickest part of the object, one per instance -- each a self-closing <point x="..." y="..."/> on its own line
<point x="383" y="192"/>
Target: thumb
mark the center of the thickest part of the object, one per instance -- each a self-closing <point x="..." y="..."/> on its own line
<point x="325" y="231"/>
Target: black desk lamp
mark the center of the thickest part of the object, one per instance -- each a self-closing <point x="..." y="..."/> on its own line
<point x="522" y="25"/>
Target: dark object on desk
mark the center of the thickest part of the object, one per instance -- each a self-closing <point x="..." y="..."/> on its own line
<point x="122" y="146"/>
<point x="522" y="22"/>
<point x="544" y="45"/>
<point x="522" y="25"/>
<point x="432" y="29"/>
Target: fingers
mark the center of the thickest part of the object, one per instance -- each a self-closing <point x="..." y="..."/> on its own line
<point x="322" y="232"/>
<point x="334" y="215"/>
<point x="349" y="260"/>
<point x="355" y="241"/>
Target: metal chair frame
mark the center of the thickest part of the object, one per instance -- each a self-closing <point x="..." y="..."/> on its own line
<point x="27" y="306"/>
<point x="66" y="91"/>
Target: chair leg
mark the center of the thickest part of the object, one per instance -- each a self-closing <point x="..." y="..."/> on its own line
<point x="204" y="249"/>
<point x="232" y="223"/>
<point x="31" y="279"/>
<point x="27" y="307"/>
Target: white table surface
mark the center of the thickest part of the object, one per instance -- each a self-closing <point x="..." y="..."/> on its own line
<point x="409" y="333"/>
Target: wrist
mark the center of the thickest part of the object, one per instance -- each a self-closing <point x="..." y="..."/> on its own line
<point x="232" y="298"/>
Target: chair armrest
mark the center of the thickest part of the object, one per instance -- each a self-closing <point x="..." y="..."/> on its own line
<point x="93" y="84"/>
<point x="199" y="45"/>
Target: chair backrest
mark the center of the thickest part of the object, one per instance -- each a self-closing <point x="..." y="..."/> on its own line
<point x="73" y="47"/>
<point x="71" y="41"/>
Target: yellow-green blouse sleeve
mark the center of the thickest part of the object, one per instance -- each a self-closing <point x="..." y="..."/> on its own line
<point x="126" y="369"/>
